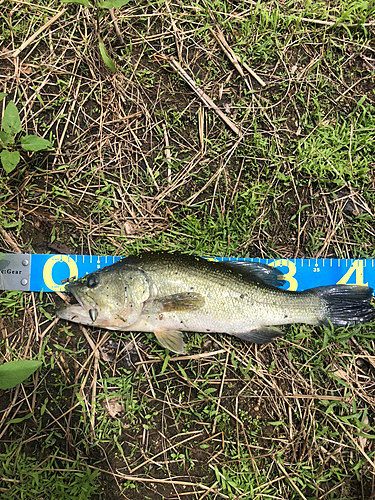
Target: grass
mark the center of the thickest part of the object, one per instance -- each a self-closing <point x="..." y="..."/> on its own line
<point x="139" y="163"/>
<point x="28" y="477"/>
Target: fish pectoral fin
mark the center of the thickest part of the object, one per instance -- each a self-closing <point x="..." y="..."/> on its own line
<point x="185" y="301"/>
<point x="261" y="335"/>
<point x="171" y="339"/>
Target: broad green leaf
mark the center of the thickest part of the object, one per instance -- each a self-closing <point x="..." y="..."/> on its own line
<point x="113" y="4"/>
<point x="85" y="3"/>
<point x="2" y="95"/>
<point x="11" y="119"/>
<point x="35" y="143"/>
<point x="15" y="372"/>
<point x="6" y="139"/>
<point x="108" y="61"/>
<point x="9" y="160"/>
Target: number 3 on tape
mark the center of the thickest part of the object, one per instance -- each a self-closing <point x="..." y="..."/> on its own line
<point x="289" y="276"/>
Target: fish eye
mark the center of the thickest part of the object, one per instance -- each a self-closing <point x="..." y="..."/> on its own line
<point x="92" y="281"/>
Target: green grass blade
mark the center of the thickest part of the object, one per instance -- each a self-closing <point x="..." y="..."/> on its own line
<point x="108" y="61"/>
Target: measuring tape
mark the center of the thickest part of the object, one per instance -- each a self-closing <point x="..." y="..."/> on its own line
<point x="49" y="273"/>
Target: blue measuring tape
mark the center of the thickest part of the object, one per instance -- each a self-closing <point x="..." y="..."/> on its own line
<point x="49" y="273"/>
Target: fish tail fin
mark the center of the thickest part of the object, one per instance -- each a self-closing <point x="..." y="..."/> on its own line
<point x="345" y="304"/>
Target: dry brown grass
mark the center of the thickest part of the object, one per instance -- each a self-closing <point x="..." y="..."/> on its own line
<point x="143" y="160"/>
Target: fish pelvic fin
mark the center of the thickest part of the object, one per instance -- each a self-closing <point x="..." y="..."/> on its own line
<point x="170" y="339"/>
<point x="261" y="335"/>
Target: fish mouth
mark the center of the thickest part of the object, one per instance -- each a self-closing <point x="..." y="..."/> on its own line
<point x="75" y="313"/>
<point x="84" y="311"/>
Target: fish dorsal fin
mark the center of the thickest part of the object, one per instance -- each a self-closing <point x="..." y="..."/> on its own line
<point x="261" y="335"/>
<point x="269" y="275"/>
<point x="171" y="339"/>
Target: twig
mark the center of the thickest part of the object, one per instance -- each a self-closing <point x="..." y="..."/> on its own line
<point x="9" y="409"/>
<point x="27" y="42"/>
<point x="168" y="155"/>
<point x="201" y="128"/>
<point x="332" y="23"/>
<point x="220" y="393"/>
<point x="293" y="483"/>
<point x="212" y="489"/>
<point x="194" y="436"/>
<point x="8" y="239"/>
<point x="190" y="200"/>
<point x="182" y="358"/>
<point x="96" y="354"/>
<point x="252" y="72"/>
<point x="234" y="58"/>
<point x="118" y="33"/>
<point x="63" y="296"/>
<point x="318" y="21"/>
<point x="145" y="161"/>
<point x="227" y="50"/>
<point x="127" y="477"/>
<point x="359" y="448"/>
<point x="77" y="86"/>
<point x="175" y="31"/>
<point x="204" y="97"/>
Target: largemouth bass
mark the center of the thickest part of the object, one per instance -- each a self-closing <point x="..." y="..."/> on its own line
<point x="170" y="293"/>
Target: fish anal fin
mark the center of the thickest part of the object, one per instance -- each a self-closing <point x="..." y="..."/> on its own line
<point x="170" y="339"/>
<point x="185" y="301"/>
<point x="261" y="335"/>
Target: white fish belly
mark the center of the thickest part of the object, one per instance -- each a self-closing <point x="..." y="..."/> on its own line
<point x="205" y="321"/>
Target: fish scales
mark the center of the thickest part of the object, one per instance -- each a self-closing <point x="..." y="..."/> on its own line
<point x="167" y="293"/>
<point x="233" y="300"/>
